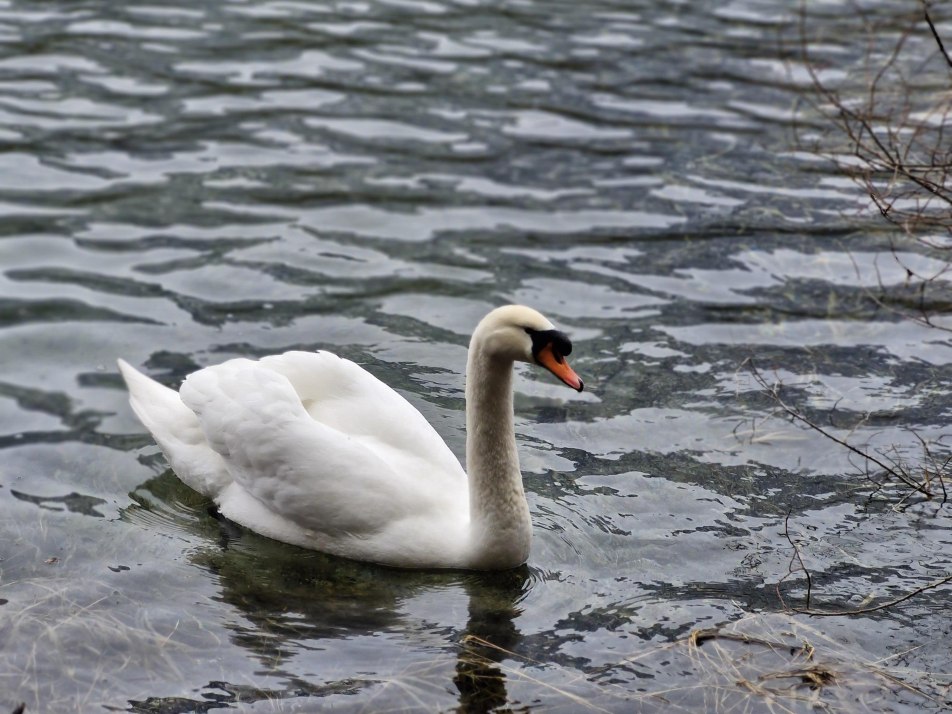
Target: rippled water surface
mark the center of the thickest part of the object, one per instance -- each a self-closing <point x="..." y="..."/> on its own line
<point x="187" y="182"/>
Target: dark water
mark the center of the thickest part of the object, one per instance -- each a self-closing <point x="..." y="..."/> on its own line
<point x="185" y="183"/>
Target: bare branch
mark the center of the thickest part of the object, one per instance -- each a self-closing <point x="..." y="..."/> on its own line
<point x="790" y="571"/>
<point x="875" y="608"/>
<point x="935" y="34"/>
<point x="890" y="136"/>
<point x="897" y="471"/>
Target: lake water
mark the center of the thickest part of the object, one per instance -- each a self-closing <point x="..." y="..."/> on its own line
<point x="182" y="183"/>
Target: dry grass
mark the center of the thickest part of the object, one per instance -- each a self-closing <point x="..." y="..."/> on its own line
<point x="62" y="647"/>
<point x="761" y="663"/>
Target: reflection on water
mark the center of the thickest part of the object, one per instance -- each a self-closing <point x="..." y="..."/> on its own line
<point x="182" y="184"/>
<point x="283" y="596"/>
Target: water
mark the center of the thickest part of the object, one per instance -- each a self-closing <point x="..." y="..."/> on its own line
<point x="187" y="182"/>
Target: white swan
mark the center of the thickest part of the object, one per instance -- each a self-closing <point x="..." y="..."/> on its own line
<point x="310" y="449"/>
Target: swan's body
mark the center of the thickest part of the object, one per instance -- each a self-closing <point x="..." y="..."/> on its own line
<point x="310" y="449"/>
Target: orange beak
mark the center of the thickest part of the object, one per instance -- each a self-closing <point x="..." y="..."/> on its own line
<point x="557" y="365"/>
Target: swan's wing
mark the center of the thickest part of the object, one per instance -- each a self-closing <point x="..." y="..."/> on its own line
<point x="315" y="475"/>
<point x="346" y="397"/>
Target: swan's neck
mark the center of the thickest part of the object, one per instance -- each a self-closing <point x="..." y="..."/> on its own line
<point x="499" y="515"/>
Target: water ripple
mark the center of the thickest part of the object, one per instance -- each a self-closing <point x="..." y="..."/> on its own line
<point x="184" y="183"/>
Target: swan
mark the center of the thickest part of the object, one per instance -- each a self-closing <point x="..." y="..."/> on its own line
<point x="310" y="449"/>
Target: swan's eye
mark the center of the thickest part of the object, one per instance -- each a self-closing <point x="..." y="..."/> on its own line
<point x="560" y="342"/>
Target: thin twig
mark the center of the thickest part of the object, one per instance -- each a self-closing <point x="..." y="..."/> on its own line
<point x="774" y="392"/>
<point x="938" y="470"/>
<point x="700" y="636"/>
<point x="904" y="165"/>
<point x="875" y="608"/>
<point x="790" y="571"/>
<point x="935" y="34"/>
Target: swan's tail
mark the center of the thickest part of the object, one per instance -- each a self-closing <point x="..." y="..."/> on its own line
<point x="176" y="430"/>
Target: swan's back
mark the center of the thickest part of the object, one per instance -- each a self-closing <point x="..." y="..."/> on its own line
<point x="340" y="394"/>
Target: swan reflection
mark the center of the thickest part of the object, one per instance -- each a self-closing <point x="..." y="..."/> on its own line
<point x="305" y="615"/>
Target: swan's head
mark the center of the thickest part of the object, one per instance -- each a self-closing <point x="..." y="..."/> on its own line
<point x="520" y="334"/>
